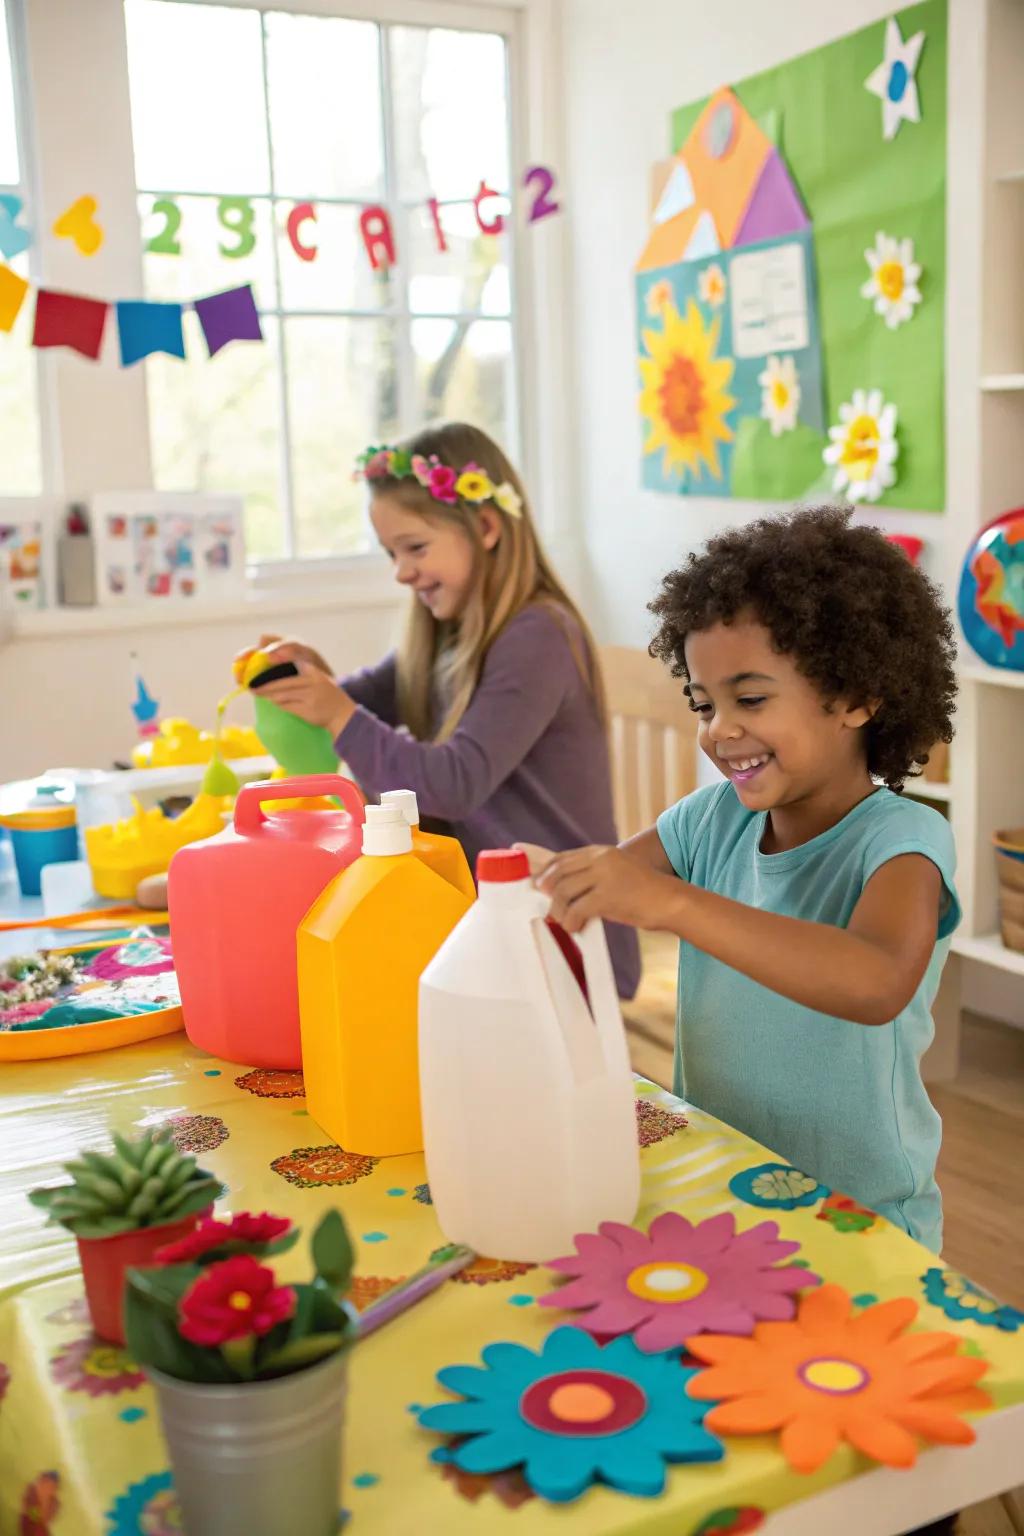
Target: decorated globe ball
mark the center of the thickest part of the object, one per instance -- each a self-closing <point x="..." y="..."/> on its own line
<point x="991" y="598"/>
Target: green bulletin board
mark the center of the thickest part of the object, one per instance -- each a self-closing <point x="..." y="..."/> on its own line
<point x="829" y="127"/>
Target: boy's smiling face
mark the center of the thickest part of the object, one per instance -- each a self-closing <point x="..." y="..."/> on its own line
<point x="766" y="726"/>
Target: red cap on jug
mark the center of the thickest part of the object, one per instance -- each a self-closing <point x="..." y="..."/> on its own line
<point x="498" y="865"/>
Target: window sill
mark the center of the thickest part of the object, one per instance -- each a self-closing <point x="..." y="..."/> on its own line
<point x="360" y="584"/>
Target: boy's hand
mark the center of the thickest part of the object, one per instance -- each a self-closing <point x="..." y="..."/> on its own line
<point x="539" y="858"/>
<point x="313" y="696"/>
<point x="606" y="883"/>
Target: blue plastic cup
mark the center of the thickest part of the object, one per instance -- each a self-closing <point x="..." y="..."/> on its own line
<point x="34" y="849"/>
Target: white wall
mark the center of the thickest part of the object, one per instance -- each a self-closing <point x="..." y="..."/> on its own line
<point x="65" y="698"/>
<point x="628" y="67"/>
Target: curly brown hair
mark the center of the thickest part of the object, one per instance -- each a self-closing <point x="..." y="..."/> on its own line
<point x="858" y="620"/>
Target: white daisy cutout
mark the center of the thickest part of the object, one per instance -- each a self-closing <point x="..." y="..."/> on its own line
<point x="711" y="286"/>
<point x="893" y="81"/>
<point x="864" y="447"/>
<point x="893" y="280"/>
<point x="780" y="394"/>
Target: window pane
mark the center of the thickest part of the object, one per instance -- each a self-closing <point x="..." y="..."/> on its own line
<point x="340" y="275"/>
<point x="21" y="472"/>
<point x="463" y="372"/>
<point x="215" y="426"/>
<point x="342" y="396"/>
<point x="451" y="117"/>
<point x="203" y="236"/>
<point x="471" y="277"/>
<point x="8" y="136"/>
<point x="324" y="84"/>
<point x="196" y="76"/>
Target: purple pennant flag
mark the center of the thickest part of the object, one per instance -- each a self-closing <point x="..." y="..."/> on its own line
<point x="229" y="316"/>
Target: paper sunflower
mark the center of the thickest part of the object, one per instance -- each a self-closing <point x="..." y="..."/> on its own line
<point x="574" y="1413"/>
<point x="780" y="394"/>
<point x="684" y="396"/>
<point x="679" y="1279"/>
<point x="833" y="1375"/>
<point x="863" y="449"/>
<point x="893" y="280"/>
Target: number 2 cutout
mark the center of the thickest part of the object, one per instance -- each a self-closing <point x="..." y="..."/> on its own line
<point x="166" y="242"/>
<point x="543" y="205"/>
<point x="240" y="225"/>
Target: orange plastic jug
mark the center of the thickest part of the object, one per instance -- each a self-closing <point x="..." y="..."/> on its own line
<point x="444" y="855"/>
<point x="235" y="903"/>
<point x="361" y="949"/>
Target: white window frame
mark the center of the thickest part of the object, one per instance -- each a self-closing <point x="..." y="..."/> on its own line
<point x="27" y="188"/>
<point x="85" y="53"/>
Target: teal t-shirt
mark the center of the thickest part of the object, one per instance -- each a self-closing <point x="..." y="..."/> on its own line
<point x="843" y="1102"/>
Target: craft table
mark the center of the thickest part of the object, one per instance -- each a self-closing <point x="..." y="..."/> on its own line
<point x="79" y="1440"/>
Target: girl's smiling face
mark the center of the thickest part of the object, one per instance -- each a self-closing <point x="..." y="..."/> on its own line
<point x="435" y="558"/>
<point x="766" y="726"/>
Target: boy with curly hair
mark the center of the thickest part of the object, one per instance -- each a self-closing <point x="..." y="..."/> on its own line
<point x="814" y="903"/>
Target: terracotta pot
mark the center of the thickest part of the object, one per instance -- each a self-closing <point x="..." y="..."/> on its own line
<point x="104" y="1261"/>
<point x="259" y="1458"/>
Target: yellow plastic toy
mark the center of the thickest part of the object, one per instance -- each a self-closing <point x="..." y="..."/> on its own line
<point x="362" y="947"/>
<point x="179" y="743"/>
<point x="125" y="852"/>
<point x="444" y="855"/>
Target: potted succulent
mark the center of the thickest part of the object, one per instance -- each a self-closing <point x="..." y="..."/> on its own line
<point x="122" y="1207"/>
<point x="249" y="1373"/>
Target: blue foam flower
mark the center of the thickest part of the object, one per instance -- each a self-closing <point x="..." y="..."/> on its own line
<point x="776" y="1187"/>
<point x="574" y="1413"/>
<point x="126" y="1514"/>
<point x="965" y="1302"/>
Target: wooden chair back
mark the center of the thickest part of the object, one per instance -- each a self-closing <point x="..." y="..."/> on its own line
<point x="652" y="737"/>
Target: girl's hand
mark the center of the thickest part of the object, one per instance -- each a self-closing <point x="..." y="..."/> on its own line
<point x="280" y="648"/>
<point x="606" y="883"/>
<point x="313" y="696"/>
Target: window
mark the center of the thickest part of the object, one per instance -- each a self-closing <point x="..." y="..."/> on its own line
<point x="20" y="460"/>
<point x="239" y="115"/>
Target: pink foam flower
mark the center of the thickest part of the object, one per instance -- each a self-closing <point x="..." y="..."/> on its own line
<point x="679" y="1279"/>
<point x="377" y="465"/>
<point x="421" y="469"/>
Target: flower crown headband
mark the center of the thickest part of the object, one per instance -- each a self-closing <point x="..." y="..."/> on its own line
<point x="447" y="485"/>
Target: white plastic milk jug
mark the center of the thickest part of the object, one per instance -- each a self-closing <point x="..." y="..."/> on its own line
<point x="528" y="1098"/>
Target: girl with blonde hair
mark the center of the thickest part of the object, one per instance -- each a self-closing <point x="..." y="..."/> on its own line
<point x="491" y="708"/>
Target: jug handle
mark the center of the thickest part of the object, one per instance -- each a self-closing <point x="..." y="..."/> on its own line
<point x="249" y="814"/>
<point x="597" y="967"/>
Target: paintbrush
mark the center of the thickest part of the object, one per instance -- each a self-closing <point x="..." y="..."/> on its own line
<point x="445" y="1263"/>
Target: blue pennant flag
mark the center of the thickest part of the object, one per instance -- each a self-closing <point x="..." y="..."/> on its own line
<point x="144" y="328"/>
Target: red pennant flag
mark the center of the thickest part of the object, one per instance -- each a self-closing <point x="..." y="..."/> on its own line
<point x="68" y="320"/>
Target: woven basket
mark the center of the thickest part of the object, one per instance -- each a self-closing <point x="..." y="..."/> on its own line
<point x="1009" y="847"/>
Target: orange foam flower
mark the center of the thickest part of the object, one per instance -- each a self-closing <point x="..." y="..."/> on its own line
<point x="833" y="1374"/>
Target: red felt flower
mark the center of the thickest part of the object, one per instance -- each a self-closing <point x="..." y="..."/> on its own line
<point x="233" y="1299"/>
<point x="210" y="1234"/>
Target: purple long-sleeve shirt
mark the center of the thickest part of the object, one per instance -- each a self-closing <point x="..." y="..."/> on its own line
<point x="528" y="761"/>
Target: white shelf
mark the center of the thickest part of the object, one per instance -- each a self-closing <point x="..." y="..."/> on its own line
<point x="924" y="789"/>
<point x="998" y="677"/>
<point x="989" y="949"/>
<point x="999" y="383"/>
<point x="1011" y="178"/>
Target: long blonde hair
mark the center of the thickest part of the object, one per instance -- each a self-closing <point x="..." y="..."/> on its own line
<point x="447" y="657"/>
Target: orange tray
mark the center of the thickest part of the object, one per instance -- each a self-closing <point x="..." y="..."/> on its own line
<point x="80" y="1039"/>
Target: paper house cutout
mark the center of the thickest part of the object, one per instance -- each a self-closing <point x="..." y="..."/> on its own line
<point x="728" y="186"/>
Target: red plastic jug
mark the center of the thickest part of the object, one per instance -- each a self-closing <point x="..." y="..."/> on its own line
<point x="235" y="904"/>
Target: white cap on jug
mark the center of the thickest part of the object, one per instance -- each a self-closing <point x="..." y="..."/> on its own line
<point x="406" y="801"/>
<point x="386" y="832"/>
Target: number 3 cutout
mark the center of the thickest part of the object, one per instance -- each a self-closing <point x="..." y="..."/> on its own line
<point x="240" y="224"/>
<point x="543" y="205"/>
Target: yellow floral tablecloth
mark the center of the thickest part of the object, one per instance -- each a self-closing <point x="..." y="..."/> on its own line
<point x="80" y="1447"/>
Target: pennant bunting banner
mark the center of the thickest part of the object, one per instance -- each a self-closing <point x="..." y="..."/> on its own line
<point x="229" y="316"/>
<point x="12" y="295"/>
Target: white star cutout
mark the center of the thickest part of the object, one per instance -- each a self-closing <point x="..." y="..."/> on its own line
<point x="893" y="81"/>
